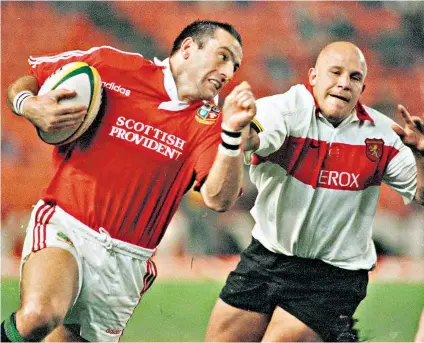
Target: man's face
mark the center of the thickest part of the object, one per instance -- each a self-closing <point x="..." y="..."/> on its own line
<point x="338" y="80"/>
<point x="210" y="68"/>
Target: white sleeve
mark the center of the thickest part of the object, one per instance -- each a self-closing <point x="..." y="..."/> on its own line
<point x="401" y="172"/>
<point x="270" y="125"/>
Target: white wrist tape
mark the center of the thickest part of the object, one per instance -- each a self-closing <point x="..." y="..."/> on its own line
<point x="231" y="141"/>
<point x="226" y="128"/>
<point x="19" y="100"/>
<point x="229" y="152"/>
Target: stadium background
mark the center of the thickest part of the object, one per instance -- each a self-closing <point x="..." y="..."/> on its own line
<point x="281" y="40"/>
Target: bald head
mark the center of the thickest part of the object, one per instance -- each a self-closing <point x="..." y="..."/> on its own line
<point x="338" y="80"/>
<point x="345" y="50"/>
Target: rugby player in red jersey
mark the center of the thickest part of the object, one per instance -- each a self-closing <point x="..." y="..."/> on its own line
<point x="318" y="163"/>
<point x="86" y="258"/>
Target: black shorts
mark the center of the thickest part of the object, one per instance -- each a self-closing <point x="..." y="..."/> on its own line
<point x="322" y="296"/>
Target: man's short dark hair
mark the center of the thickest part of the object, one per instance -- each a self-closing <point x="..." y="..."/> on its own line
<point x="201" y="31"/>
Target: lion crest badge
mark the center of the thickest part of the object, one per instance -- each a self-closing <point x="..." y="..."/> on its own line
<point x="207" y="114"/>
<point x="374" y="148"/>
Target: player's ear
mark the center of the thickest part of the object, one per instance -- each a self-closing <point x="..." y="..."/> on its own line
<point x="363" y="88"/>
<point x="186" y="47"/>
<point x="312" y="75"/>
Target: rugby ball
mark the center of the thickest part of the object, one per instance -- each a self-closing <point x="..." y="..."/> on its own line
<point x="88" y="85"/>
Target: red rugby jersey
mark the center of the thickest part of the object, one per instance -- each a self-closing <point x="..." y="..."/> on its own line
<point x="128" y="173"/>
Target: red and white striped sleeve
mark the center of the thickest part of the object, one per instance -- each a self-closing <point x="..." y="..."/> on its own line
<point x="401" y="172"/>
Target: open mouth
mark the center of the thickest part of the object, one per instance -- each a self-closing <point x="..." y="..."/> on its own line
<point x="216" y="84"/>
<point x="340" y="97"/>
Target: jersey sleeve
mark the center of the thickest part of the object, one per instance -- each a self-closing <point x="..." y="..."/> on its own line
<point x="43" y="66"/>
<point x="270" y="125"/>
<point x="401" y="172"/>
<point x="205" y="155"/>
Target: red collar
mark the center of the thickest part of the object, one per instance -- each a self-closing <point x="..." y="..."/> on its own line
<point x="361" y="112"/>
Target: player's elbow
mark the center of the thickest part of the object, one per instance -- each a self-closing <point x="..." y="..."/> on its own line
<point x="218" y="205"/>
<point x="224" y="206"/>
<point x="220" y="198"/>
<point x="218" y="202"/>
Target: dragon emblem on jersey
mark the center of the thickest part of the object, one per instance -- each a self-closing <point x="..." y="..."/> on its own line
<point x="374" y="148"/>
<point x="207" y="114"/>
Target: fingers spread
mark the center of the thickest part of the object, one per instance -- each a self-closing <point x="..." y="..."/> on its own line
<point x="61" y="93"/>
<point x="71" y="122"/>
<point x="405" y="115"/>
<point x="418" y="123"/>
<point x="71" y="117"/>
<point x="67" y="126"/>
<point x="399" y="130"/>
<point x="68" y="109"/>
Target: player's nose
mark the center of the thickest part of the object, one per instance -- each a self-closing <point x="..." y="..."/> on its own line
<point x="344" y="81"/>
<point x="226" y="72"/>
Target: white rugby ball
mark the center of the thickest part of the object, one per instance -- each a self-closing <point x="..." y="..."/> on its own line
<point x="86" y="81"/>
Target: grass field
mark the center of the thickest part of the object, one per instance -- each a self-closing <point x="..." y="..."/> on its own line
<point x="178" y="311"/>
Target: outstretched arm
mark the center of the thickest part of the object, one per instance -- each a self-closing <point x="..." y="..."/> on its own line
<point x="412" y="135"/>
<point x="44" y="111"/>
<point x="223" y="184"/>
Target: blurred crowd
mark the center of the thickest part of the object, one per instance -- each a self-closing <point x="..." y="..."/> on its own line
<point x="281" y="40"/>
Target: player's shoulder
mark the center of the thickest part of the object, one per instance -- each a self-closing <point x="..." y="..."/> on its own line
<point x="121" y="58"/>
<point x="95" y="56"/>
<point x="290" y="108"/>
<point x="381" y="122"/>
<point x="381" y="126"/>
<point x="294" y="99"/>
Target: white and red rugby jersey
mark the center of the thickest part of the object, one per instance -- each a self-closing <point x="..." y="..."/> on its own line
<point x="318" y="185"/>
<point x="129" y="173"/>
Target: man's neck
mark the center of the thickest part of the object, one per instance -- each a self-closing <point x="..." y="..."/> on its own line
<point x="178" y="75"/>
<point x="338" y="120"/>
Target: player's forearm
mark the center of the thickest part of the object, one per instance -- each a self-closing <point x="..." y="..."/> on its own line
<point x="222" y="187"/>
<point x="419" y="195"/>
<point x="25" y="83"/>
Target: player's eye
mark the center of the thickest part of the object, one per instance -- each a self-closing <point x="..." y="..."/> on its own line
<point x="223" y="57"/>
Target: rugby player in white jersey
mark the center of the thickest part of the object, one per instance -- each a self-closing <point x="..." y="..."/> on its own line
<point x="318" y="162"/>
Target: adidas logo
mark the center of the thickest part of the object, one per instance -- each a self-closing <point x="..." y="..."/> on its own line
<point x="116" y="88"/>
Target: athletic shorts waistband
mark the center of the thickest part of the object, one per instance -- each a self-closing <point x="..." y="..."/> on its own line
<point x="103" y="235"/>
